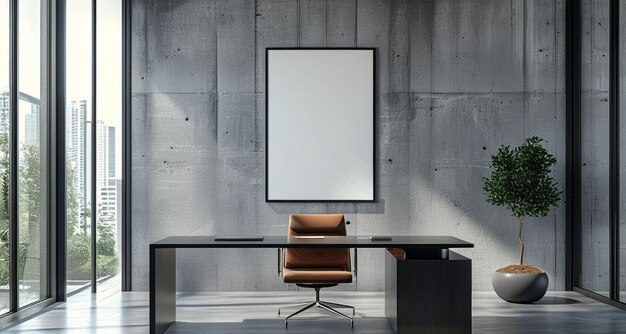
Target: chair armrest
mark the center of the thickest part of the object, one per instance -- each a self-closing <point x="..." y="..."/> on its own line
<point x="279" y="262"/>
<point x="354" y="268"/>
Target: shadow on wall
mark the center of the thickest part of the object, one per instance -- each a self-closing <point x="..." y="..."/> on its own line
<point x="454" y="203"/>
<point x="476" y="220"/>
<point x="377" y="207"/>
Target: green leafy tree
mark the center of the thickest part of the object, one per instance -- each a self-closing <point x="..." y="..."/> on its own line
<point x="71" y="200"/>
<point x="78" y="256"/>
<point x="29" y="208"/>
<point x="521" y="181"/>
<point x="108" y="261"/>
<point x="4" y="209"/>
<point x="4" y="217"/>
<point x="85" y="217"/>
<point x="79" y="240"/>
<point x="29" y="197"/>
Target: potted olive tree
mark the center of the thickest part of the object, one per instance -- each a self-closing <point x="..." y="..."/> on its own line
<point x="521" y="181"/>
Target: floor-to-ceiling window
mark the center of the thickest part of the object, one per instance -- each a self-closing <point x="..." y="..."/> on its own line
<point x="5" y="36"/>
<point x="32" y="227"/>
<point x="24" y="184"/>
<point x="622" y="147"/>
<point x="598" y="126"/>
<point x="93" y="142"/>
<point x="109" y="138"/>
<point x="78" y="138"/>
<point x="595" y="145"/>
<point x="93" y="147"/>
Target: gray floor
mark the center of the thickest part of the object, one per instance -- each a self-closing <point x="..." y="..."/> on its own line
<point x="229" y="313"/>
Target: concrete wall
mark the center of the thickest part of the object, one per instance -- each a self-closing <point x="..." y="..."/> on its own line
<point x="456" y="79"/>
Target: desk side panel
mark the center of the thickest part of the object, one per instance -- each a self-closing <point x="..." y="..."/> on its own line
<point x="391" y="290"/>
<point x="162" y="289"/>
<point x="434" y="296"/>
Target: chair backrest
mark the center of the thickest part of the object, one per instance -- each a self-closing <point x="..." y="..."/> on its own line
<point x="317" y="224"/>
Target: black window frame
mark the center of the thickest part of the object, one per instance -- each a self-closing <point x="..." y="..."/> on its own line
<point x="573" y="149"/>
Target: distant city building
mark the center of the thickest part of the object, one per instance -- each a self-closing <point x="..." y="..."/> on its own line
<point x="75" y="140"/>
<point x="78" y="150"/>
<point x="108" y="200"/>
<point x="111" y="152"/>
<point x="118" y="205"/>
<point x="4" y="112"/>
<point x="106" y="180"/>
<point x="101" y="158"/>
<point x="32" y="126"/>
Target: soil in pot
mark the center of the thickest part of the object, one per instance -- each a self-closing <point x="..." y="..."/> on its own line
<point x="520" y="269"/>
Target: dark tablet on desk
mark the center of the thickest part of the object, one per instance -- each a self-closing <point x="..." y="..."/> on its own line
<point x="257" y="238"/>
<point x="380" y="238"/>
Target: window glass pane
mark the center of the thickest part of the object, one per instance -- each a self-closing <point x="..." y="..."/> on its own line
<point x="108" y="136"/>
<point x="78" y="139"/>
<point x="595" y="145"/>
<point x="4" y="155"/>
<point x="622" y="147"/>
<point x="32" y="228"/>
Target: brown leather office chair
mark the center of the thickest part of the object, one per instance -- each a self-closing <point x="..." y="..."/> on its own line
<point x="317" y="268"/>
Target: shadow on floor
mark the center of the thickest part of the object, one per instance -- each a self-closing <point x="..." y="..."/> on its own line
<point x="556" y="301"/>
<point x="311" y="325"/>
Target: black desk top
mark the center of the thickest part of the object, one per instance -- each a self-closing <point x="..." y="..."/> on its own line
<point x="405" y="242"/>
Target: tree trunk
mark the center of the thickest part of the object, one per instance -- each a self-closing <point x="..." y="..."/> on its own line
<point x="521" y="241"/>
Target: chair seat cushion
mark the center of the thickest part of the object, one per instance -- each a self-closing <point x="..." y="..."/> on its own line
<point x="317" y="275"/>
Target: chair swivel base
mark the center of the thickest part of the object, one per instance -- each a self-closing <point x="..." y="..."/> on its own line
<point x="326" y="306"/>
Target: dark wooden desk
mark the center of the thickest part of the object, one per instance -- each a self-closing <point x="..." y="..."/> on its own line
<point x="418" y="295"/>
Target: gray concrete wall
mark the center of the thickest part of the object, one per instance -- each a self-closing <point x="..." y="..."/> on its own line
<point x="456" y="79"/>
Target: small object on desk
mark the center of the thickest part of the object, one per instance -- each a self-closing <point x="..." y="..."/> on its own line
<point x="256" y="238"/>
<point x="380" y="238"/>
<point x="309" y="236"/>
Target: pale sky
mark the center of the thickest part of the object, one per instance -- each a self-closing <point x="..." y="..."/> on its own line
<point x="109" y="57"/>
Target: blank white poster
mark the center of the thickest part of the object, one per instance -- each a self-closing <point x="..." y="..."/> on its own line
<point x="320" y="125"/>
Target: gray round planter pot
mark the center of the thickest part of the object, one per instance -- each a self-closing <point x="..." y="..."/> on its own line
<point x="520" y="288"/>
